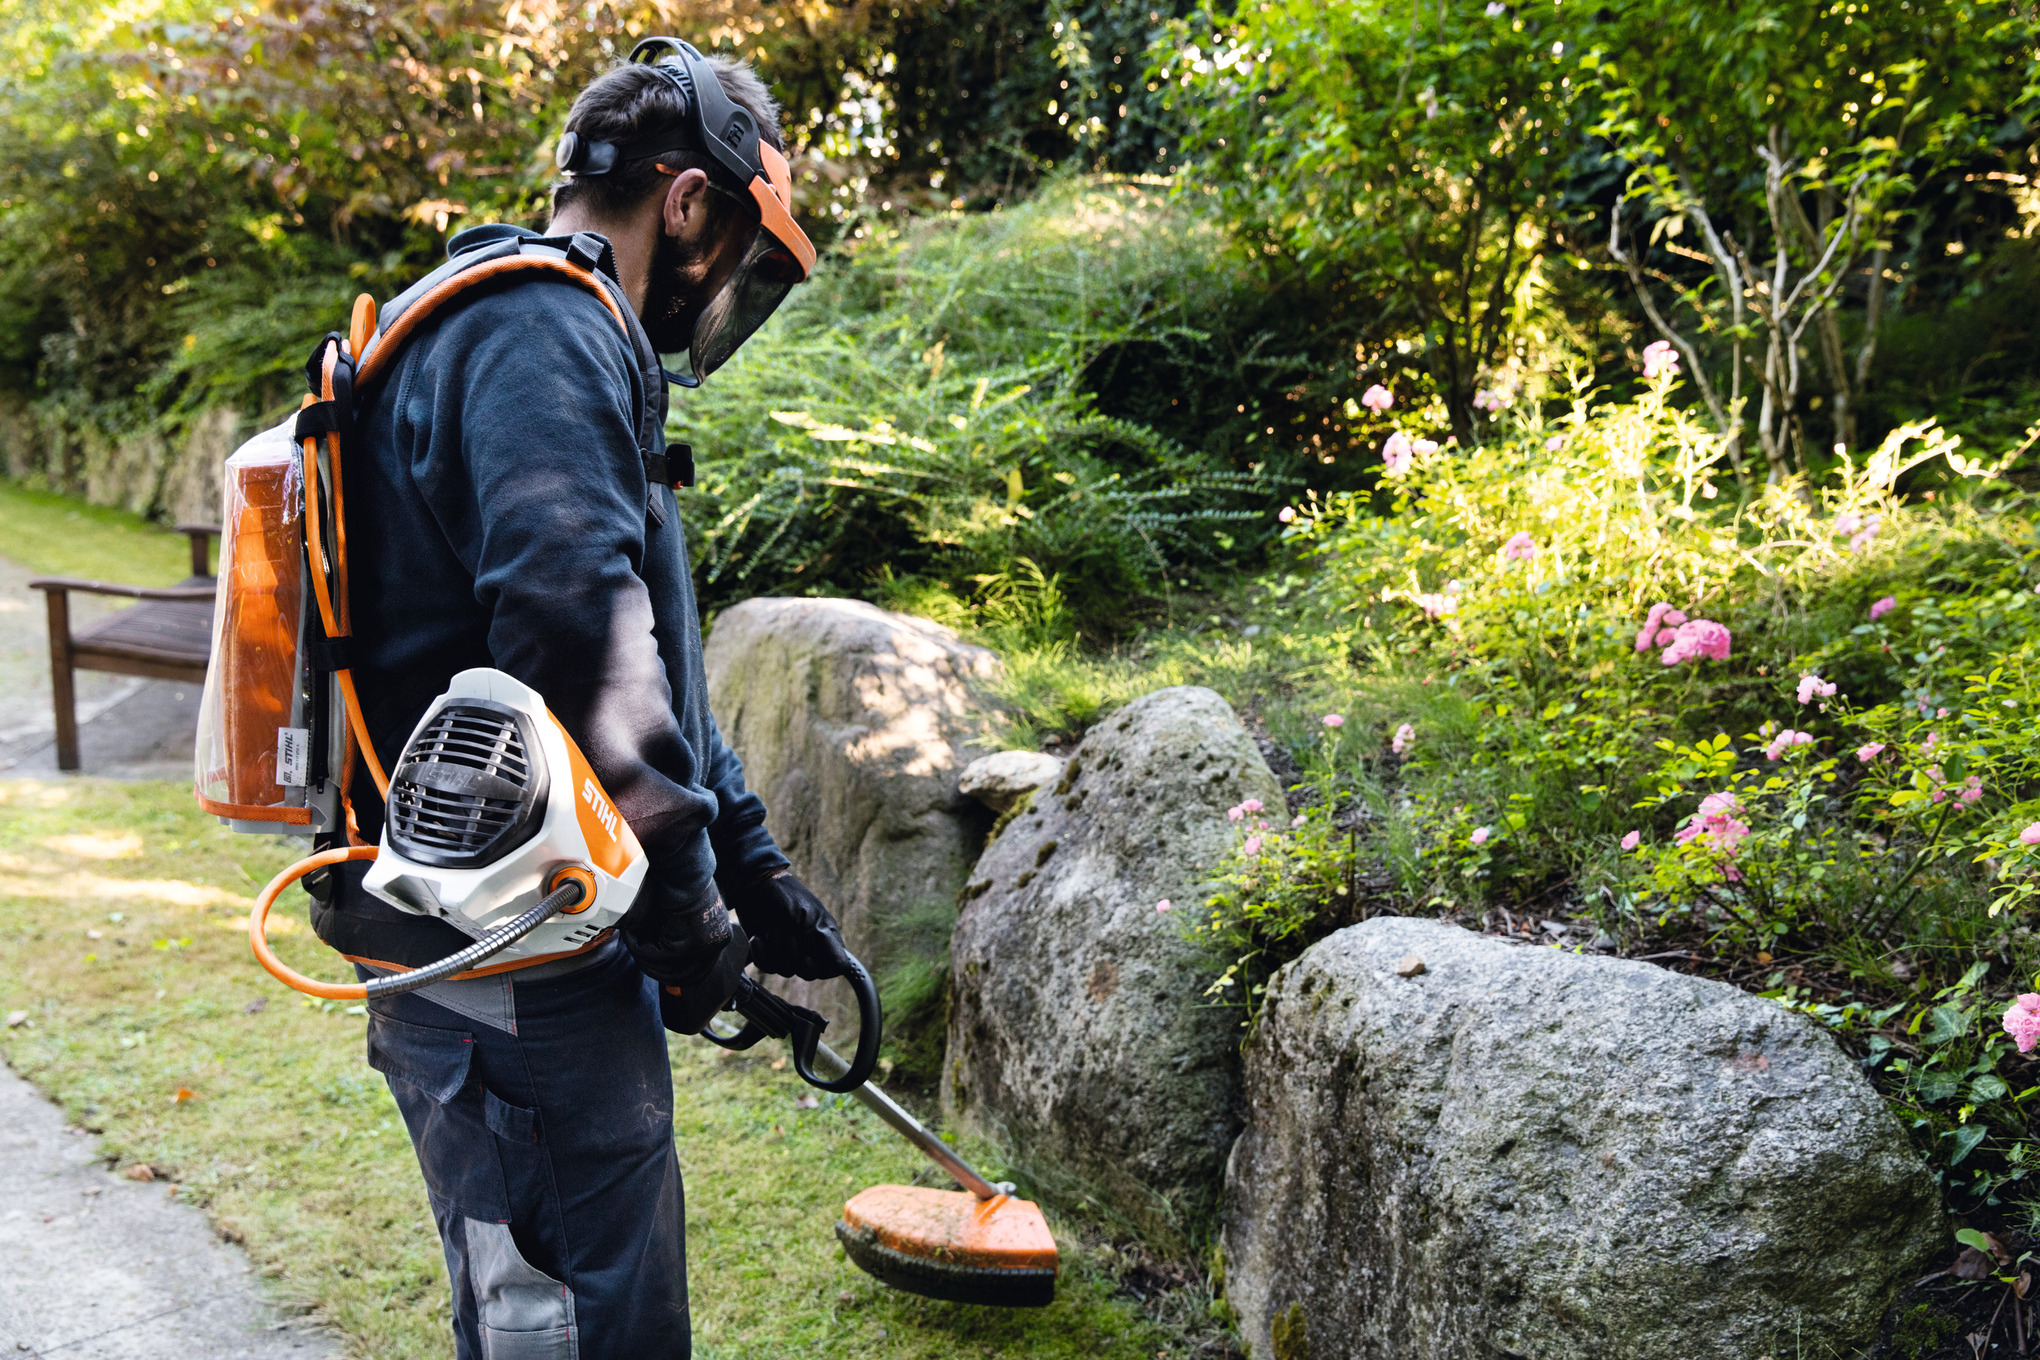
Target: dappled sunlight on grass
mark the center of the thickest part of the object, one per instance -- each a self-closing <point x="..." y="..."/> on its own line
<point x="97" y="845"/>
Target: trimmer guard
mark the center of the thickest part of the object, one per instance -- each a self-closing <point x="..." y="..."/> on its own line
<point x="949" y="1244"/>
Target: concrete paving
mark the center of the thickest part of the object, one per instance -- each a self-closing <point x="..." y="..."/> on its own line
<point x="93" y="1267"/>
<point x="128" y="728"/>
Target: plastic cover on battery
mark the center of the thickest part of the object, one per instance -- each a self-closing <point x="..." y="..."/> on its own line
<point x="252" y="683"/>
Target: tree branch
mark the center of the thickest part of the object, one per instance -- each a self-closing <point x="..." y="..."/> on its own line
<point x="1723" y="421"/>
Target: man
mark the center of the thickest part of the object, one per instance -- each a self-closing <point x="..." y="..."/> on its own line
<point x="507" y="509"/>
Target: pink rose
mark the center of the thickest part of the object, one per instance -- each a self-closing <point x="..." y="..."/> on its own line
<point x="1785" y="741"/>
<point x="1695" y="639"/>
<point x="2031" y="835"/>
<point x="1233" y="814"/>
<point x="1869" y="751"/>
<point x="1716" y="823"/>
<point x="1406" y="737"/>
<point x="1520" y="547"/>
<point x="1648" y="633"/>
<point x="2022" y="1021"/>
<point x="1629" y="842"/>
<point x="1377" y="399"/>
<point x="1812" y="687"/>
<point x="1333" y="720"/>
<point x="1554" y="443"/>
<point x="1479" y="836"/>
<point x="1971" y="791"/>
<point x="1396" y="454"/>
<point x="1163" y="905"/>
<point x="1883" y="607"/>
<point x="1252" y="847"/>
<point x="1660" y="358"/>
<point x="1286" y="513"/>
<point x="1253" y="805"/>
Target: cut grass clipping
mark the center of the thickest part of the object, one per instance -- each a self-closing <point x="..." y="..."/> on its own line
<point x="122" y="935"/>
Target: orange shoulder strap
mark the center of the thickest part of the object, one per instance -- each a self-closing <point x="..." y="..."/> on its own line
<point x="382" y="350"/>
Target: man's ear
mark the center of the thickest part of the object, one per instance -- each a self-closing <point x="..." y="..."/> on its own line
<point x="685" y="211"/>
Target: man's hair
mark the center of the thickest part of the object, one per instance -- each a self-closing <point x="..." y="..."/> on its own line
<point x="631" y="98"/>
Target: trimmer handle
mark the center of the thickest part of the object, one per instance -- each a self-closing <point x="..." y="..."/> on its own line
<point x="769" y="1016"/>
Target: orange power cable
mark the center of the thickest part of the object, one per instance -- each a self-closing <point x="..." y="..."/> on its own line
<point x="258" y="923"/>
<point x="336" y="621"/>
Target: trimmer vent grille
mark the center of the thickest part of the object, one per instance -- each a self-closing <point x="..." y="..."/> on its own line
<point x="466" y="789"/>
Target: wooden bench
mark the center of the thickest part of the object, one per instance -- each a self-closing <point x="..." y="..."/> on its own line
<point x="167" y="636"/>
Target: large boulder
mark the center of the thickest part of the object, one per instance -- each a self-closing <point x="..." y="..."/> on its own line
<point x="853" y="725"/>
<point x="1079" y="1034"/>
<point x="1519" y="1151"/>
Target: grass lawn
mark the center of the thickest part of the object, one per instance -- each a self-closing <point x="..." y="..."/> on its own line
<point x="122" y="935"/>
<point x="65" y="537"/>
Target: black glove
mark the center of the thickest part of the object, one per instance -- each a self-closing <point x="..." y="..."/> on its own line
<point x="686" y="1009"/>
<point x="792" y="933"/>
<point x="675" y="947"/>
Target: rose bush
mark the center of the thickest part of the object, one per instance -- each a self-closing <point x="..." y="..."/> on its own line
<point x="1816" y="694"/>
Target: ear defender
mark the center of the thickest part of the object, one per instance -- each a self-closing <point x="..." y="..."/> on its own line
<point x="577" y="155"/>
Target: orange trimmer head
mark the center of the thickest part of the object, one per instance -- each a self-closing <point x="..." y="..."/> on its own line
<point x="974" y="1245"/>
<point x="949" y="1244"/>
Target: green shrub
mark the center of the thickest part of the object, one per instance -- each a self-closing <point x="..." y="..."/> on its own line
<point x="926" y="409"/>
<point x="1818" y="783"/>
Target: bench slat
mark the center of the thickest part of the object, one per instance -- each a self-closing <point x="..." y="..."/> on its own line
<point x="167" y="630"/>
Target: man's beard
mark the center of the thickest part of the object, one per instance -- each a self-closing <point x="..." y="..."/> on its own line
<point x="671" y="305"/>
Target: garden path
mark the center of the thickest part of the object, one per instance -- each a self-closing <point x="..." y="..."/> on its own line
<point x="128" y="728"/>
<point x="94" y="1267"/>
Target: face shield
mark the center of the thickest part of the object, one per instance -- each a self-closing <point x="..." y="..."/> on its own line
<point x="777" y="257"/>
<point x="778" y="254"/>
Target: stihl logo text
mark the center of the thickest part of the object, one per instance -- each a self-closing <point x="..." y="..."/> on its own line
<point x="604" y="813"/>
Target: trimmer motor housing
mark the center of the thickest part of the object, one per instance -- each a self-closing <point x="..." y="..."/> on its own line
<point x="490" y="806"/>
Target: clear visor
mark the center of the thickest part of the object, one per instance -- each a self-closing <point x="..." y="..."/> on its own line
<point x="768" y="272"/>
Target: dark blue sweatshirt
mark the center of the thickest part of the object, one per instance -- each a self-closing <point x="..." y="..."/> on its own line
<point x="499" y="514"/>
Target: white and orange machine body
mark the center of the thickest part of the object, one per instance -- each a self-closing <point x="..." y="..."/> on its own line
<point x="490" y="803"/>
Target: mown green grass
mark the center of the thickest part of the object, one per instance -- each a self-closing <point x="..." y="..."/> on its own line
<point x="64" y="536"/>
<point x="293" y="1145"/>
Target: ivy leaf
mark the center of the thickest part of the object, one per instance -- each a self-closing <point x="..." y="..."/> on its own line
<point x="1988" y="1087"/>
<point x="1945" y="1023"/>
<point x="1966" y="1139"/>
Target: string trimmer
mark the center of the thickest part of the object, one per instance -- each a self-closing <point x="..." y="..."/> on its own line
<point x="975" y="1245"/>
<point x="497" y="825"/>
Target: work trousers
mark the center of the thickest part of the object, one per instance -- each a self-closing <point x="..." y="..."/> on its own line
<point x="542" y="1115"/>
